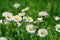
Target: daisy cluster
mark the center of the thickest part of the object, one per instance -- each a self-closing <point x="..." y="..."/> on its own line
<point x="30" y="28"/>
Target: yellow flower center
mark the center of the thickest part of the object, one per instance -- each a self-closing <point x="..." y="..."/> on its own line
<point x="56" y="18"/>
<point x="21" y="14"/>
<point x="16" y="18"/>
<point x="59" y="28"/>
<point x="29" y="18"/>
<point x="42" y="32"/>
<point x="9" y="16"/>
<point x="31" y="28"/>
<point x="26" y="9"/>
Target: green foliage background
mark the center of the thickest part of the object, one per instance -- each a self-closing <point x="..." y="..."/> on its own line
<point x="12" y="32"/>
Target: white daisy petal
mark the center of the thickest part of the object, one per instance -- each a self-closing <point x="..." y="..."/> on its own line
<point x="21" y="14"/>
<point x="43" y="13"/>
<point x="42" y="32"/>
<point x="1" y="21"/>
<point x="8" y="16"/>
<point x="4" y="14"/>
<point x="17" y="18"/>
<point x="57" y="27"/>
<point x="28" y="19"/>
<point x="19" y="24"/>
<point x="16" y="5"/>
<point x="25" y="9"/>
<point x="40" y="19"/>
<point x="3" y="38"/>
<point x="56" y="18"/>
<point x="6" y="22"/>
<point x="30" y="28"/>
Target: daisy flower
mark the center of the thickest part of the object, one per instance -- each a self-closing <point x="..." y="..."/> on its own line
<point x="1" y="21"/>
<point x="8" y="16"/>
<point x="42" y="32"/>
<point x="56" y="18"/>
<point x="17" y="18"/>
<point x="30" y="28"/>
<point x="3" y="38"/>
<point x="40" y="19"/>
<point x="4" y="14"/>
<point x="28" y="19"/>
<point x="16" y="5"/>
<point x="57" y="27"/>
<point x="6" y="22"/>
<point x="43" y="13"/>
<point x="25" y="9"/>
<point x="21" y="14"/>
<point x="19" y="24"/>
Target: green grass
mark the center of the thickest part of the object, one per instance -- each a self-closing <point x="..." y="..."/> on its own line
<point x="12" y="32"/>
